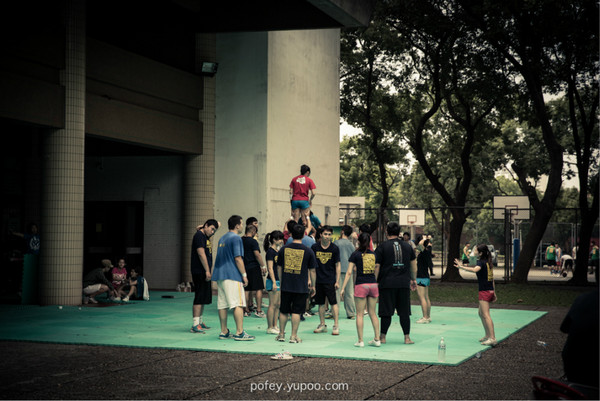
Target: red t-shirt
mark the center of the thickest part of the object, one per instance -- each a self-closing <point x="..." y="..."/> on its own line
<point x="301" y="185"/>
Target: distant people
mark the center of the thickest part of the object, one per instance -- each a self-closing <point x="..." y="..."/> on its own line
<point x="272" y="244"/>
<point x="346" y="250"/>
<point x="465" y="253"/>
<point x="302" y="192"/>
<point x="396" y="273"/>
<point x="138" y="287"/>
<point x="551" y="257"/>
<point x="328" y="278"/>
<point x="201" y="262"/>
<point x="119" y="277"/>
<point x="315" y="221"/>
<point x="580" y="353"/>
<point x="593" y="264"/>
<point x="366" y="228"/>
<point x="566" y="264"/>
<point x="294" y="262"/>
<point x="487" y="290"/>
<point x="366" y="290"/>
<point x="31" y="237"/>
<point x="230" y="274"/>
<point x="95" y="283"/>
<point x="424" y="262"/>
<point x="255" y="268"/>
<point x="406" y="237"/>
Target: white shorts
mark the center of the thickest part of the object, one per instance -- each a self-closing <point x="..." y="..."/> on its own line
<point x="91" y="289"/>
<point x="231" y="294"/>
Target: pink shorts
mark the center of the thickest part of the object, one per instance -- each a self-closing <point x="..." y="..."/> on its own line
<point x="486" y="295"/>
<point x="366" y="290"/>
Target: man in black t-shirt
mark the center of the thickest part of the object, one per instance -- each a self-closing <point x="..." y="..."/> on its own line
<point x="396" y="272"/>
<point x="201" y="269"/>
<point x="294" y="262"/>
<point x="255" y="267"/>
<point x="328" y="278"/>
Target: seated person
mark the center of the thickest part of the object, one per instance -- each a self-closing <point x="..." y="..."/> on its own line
<point x="95" y="283"/>
<point x="119" y="277"/>
<point x="136" y="284"/>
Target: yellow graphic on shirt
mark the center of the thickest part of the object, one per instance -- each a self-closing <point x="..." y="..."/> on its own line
<point x="293" y="260"/>
<point x="209" y="246"/>
<point x="368" y="260"/>
<point x="324" y="257"/>
<point x="490" y="272"/>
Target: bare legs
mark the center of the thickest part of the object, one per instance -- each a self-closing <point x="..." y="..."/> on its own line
<point x="486" y="319"/>
<point x="423" y="293"/>
<point x="370" y="303"/>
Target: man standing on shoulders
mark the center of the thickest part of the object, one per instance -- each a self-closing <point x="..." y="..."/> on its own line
<point x="328" y="278"/>
<point x="294" y="262"/>
<point x="346" y="249"/>
<point x="201" y="268"/>
<point x="396" y="273"/>
<point x="230" y="274"/>
<point x="300" y="187"/>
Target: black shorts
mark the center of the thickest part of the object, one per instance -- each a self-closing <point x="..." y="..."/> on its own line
<point x="325" y="291"/>
<point x="394" y="300"/>
<point x="202" y="290"/>
<point x="292" y="302"/>
<point x="255" y="280"/>
<point x="551" y="262"/>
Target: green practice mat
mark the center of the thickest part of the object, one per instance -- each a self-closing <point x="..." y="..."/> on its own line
<point x="165" y="323"/>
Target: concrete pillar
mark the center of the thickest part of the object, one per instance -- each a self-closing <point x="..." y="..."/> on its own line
<point x="61" y="252"/>
<point x="199" y="171"/>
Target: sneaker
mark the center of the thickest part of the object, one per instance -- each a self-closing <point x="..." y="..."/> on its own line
<point x="126" y="299"/>
<point x="252" y="307"/>
<point x="273" y="330"/>
<point x="197" y="329"/>
<point x="490" y="341"/>
<point x="423" y="320"/>
<point x="203" y="326"/>
<point x="432" y="274"/>
<point x="335" y="331"/>
<point x="225" y="336"/>
<point x="321" y="328"/>
<point x="246" y="314"/>
<point x="329" y="315"/>
<point x="93" y="300"/>
<point x="295" y="340"/>
<point x="280" y="337"/>
<point x="482" y="339"/>
<point x="308" y="314"/>
<point x="375" y="343"/>
<point x="359" y="344"/>
<point x="302" y="318"/>
<point x="243" y="336"/>
<point x="260" y="314"/>
<point x="285" y="355"/>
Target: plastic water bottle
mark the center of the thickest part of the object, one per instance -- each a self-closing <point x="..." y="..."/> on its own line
<point x="442" y="351"/>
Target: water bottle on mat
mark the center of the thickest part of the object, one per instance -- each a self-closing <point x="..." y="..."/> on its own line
<point x="442" y="351"/>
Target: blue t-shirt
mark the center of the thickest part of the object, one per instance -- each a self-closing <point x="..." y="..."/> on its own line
<point x="200" y="241"/>
<point x="250" y="245"/>
<point x="326" y="261"/>
<point x="485" y="276"/>
<point x="346" y="249"/>
<point x="365" y="267"/>
<point x="272" y="255"/>
<point x="295" y="260"/>
<point x="230" y="246"/>
<point x="307" y="241"/>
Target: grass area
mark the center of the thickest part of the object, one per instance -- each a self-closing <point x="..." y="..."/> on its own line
<point x="508" y="294"/>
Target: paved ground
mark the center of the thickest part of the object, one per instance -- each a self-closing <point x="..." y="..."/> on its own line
<point x="54" y="371"/>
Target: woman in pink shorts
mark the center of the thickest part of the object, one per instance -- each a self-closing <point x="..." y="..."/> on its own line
<point x="487" y="290"/>
<point x="366" y="290"/>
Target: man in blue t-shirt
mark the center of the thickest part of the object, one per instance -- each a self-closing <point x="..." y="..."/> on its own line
<point x="294" y="262"/>
<point x="230" y="274"/>
<point x="200" y="265"/>
<point x="328" y="278"/>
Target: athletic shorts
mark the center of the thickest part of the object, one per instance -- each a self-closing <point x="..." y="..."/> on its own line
<point x="486" y="295"/>
<point x="300" y="204"/>
<point x="231" y="294"/>
<point x="91" y="289"/>
<point x="423" y="282"/>
<point x="202" y="290"/>
<point x="292" y="302"/>
<point x="325" y="291"/>
<point x="551" y="262"/>
<point x="269" y="285"/>
<point x="394" y="300"/>
<point x="366" y="290"/>
<point x="255" y="279"/>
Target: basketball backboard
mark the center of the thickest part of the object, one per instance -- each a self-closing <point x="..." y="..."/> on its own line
<point x="518" y="206"/>
<point x="412" y="217"/>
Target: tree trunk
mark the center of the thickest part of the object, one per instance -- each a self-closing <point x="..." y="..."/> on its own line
<point x="456" y="226"/>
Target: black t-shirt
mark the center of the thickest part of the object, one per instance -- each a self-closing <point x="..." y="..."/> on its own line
<point x="394" y="257"/>
<point x="272" y="255"/>
<point x="250" y="245"/>
<point x="365" y="267"/>
<point x="424" y="261"/>
<point x="200" y="240"/>
<point x="485" y="276"/>
<point x="295" y="260"/>
<point x="326" y="262"/>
